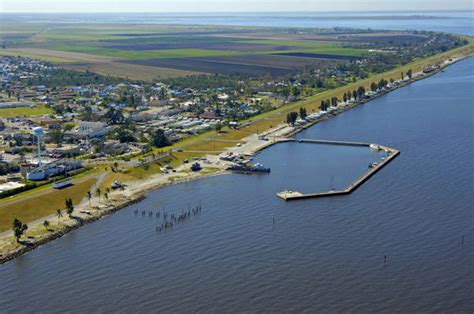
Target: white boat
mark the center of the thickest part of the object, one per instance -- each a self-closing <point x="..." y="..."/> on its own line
<point x="116" y="184"/>
<point x="374" y="147"/>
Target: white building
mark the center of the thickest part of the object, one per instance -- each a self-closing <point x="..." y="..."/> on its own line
<point x="59" y="167"/>
<point x="91" y="129"/>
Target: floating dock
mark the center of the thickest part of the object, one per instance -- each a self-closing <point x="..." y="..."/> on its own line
<point x="391" y="154"/>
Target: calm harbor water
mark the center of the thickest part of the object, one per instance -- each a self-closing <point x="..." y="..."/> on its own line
<point x="321" y="255"/>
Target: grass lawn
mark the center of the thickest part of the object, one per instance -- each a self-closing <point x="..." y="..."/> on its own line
<point x="34" y="208"/>
<point x="233" y="135"/>
<point x="143" y="172"/>
<point x="25" y="111"/>
<point x="210" y="145"/>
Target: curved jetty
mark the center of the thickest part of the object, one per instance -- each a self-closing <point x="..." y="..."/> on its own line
<point x="374" y="167"/>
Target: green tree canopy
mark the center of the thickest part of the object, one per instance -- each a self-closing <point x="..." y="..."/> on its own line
<point x="19" y="229"/>
<point x="291" y="118"/>
<point x="159" y="139"/>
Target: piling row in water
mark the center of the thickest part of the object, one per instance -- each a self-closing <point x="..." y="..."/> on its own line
<point x="173" y="218"/>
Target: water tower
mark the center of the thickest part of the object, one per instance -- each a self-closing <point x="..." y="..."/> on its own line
<point x="38" y="133"/>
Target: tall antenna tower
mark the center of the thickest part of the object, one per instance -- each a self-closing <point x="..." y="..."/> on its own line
<point x="38" y="133"/>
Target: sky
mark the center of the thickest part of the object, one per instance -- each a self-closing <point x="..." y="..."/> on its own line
<point x="186" y="6"/>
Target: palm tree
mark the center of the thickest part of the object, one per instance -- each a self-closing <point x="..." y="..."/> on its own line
<point x="218" y="127"/>
<point x="18" y="229"/>
<point x="89" y="196"/>
<point x="59" y="214"/>
<point x="69" y="207"/>
<point x="106" y="195"/>
<point x="46" y="224"/>
<point x="98" y="193"/>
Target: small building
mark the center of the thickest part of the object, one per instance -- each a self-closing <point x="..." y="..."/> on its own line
<point x="68" y="150"/>
<point x="55" y="168"/>
<point x="61" y="184"/>
<point x="209" y="115"/>
<point x="89" y="129"/>
<point x="115" y="147"/>
<point x="14" y="105"/>
<point x="10" y="186"/>
<point x="24" y="168"/>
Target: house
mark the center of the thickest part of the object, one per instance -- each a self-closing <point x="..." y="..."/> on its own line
<point x="65" y="150"/>
<point x="223" y="97"/>
<point x="45" y="122"/>
<point x="89" y="129"/>
<point x="115" y="147"/>
<point x="209" y="115"/>
<point x="14" y="105"/>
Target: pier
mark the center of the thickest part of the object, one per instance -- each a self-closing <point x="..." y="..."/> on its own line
<point x="341" y="143"/>
<point x="391" y="154"/>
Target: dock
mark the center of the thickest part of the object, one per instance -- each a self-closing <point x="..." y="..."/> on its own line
<point x="391" y="154"/>
<point x="327" y="142"/>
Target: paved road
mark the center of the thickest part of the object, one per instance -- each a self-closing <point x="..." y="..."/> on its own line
<point x="39" y="193"/>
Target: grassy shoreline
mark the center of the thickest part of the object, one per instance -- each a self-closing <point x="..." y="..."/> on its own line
<point x="256" y="124"/>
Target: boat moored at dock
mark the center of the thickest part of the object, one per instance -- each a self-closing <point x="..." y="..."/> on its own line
<point x="249" y="168"/>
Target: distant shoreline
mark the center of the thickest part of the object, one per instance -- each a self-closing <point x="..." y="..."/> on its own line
<point x="161" y="18"/>
<point x="254" y="13"/>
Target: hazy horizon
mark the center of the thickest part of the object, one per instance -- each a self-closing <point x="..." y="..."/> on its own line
<point x="251" y="12"/>
<point x="228" y="6"/>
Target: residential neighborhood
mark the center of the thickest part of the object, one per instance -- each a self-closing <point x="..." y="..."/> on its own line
<point x="94" y="122"/>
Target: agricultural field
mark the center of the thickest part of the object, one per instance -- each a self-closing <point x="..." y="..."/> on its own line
<point x="147" y="52"/>
<point x="212" y="66"/>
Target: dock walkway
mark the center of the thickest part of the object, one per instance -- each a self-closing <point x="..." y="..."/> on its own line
<point x="392" y="153"/>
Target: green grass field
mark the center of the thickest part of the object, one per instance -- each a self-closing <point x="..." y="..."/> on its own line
<point x="24" y="111"/>
<point x="40" y="205"/>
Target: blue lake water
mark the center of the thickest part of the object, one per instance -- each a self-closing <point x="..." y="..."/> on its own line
<point x="461" y="22"/>
<point x="321" y="254"/>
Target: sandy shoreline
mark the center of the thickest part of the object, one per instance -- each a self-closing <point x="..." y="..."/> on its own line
<point x="136" y="191"/>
